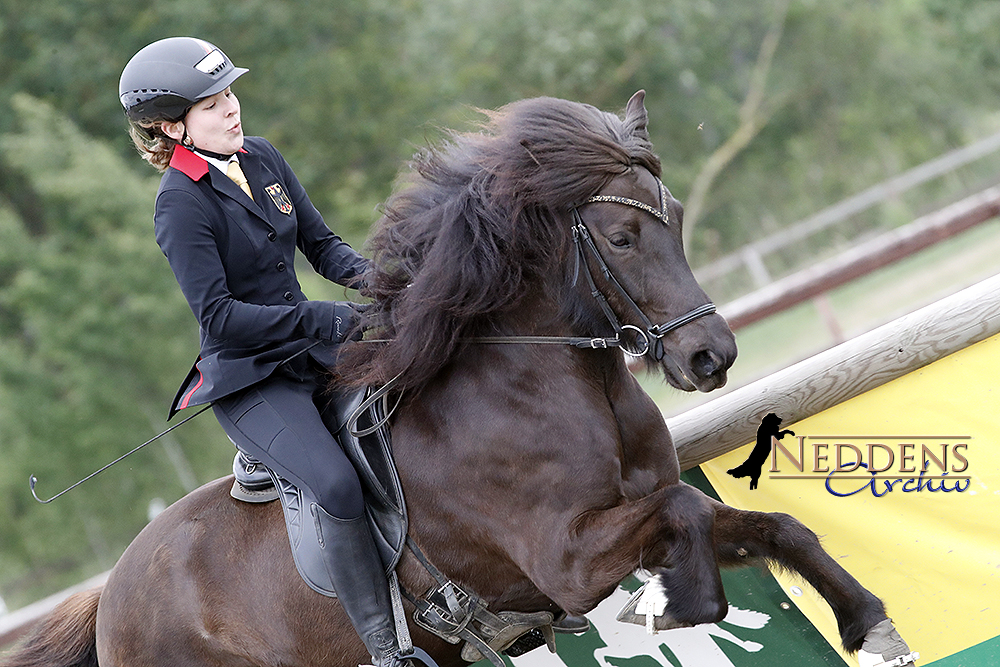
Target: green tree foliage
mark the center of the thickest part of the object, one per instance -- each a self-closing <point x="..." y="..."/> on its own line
<point x="763" y="112"/>
<point x="854" y="92"/>
<point x="94" y="337"/>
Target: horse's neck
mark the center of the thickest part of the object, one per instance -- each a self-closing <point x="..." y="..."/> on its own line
<point x="552" y="309"/>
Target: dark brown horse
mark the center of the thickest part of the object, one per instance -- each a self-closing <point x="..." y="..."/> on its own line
<point x="538" y="475"/>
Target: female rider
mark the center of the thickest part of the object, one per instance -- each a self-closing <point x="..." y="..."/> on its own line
<point x="263" y="345"/>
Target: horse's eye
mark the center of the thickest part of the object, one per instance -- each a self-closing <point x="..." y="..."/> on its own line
<point x="619" y="241"/>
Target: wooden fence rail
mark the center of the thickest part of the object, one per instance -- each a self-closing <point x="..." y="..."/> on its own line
<point x="840" y="373"/>
<point x="863" y="259"/>
<point x="939" y="166"/>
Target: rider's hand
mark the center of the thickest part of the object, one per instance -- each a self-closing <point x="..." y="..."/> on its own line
<point x="347" y="321"/>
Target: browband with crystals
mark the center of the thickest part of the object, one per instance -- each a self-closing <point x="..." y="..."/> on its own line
<point x="661" y="213"/>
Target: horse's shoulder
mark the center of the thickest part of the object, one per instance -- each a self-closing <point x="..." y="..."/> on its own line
<point x="648" y="457"/>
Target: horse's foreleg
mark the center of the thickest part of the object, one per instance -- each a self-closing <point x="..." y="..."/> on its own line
<point x="669" y="533"/>
<point x="779" y="538"/>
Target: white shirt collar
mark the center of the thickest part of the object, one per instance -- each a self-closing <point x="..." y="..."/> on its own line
<point x="221" y="165"/>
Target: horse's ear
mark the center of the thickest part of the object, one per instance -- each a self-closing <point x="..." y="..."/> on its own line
<point x="636" y="116"/>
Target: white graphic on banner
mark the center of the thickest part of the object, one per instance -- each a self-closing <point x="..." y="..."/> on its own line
<point x="692" y="647"/>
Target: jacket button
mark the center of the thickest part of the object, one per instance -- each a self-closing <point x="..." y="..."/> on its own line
<point x="289" y="296"/>
<point x="271" y="236"/>
<point x="280" y="266"/>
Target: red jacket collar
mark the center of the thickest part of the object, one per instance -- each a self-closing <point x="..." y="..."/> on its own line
<point x="189" y="163"/>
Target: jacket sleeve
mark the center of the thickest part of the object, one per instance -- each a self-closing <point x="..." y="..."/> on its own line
<point x="331" y="257"/>
<point x="185" y="233"/>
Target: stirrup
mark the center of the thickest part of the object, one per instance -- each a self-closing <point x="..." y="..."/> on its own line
<point x="253" y="483"/>
<point x="412" y="659"/>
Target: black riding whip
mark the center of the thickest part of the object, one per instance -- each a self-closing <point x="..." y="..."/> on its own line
<point x="32" y="480"/>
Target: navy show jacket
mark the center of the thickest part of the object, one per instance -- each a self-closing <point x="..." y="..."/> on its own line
<point x="234" y="260"/>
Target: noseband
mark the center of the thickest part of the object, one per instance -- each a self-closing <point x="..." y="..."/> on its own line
<point x="649" y="339"/>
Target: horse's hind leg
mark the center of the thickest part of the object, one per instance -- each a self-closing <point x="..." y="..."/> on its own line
<point x="779" y="538"/>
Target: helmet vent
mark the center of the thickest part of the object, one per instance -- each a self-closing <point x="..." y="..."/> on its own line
<point x="212" y="64"/>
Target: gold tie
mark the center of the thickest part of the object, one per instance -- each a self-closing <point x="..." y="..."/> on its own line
<point x="234" y="172"/>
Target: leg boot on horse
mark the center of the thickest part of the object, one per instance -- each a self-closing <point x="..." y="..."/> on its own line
<point x="361" y="586"/>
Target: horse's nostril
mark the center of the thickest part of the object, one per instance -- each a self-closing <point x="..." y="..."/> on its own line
<point x="706" y="363"/>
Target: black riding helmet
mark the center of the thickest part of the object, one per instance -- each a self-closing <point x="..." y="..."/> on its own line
<point x="163" y="80"/>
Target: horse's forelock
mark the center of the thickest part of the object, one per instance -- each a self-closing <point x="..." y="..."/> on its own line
<point x="559" y="152"/>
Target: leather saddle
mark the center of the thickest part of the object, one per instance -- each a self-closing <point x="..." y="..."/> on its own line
<point x="371" y="455"/>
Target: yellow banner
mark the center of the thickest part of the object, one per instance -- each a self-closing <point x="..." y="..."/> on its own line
<point x="929" y="545"/>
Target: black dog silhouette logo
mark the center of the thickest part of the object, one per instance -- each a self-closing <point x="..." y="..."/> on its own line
<point x="767" y="430"/>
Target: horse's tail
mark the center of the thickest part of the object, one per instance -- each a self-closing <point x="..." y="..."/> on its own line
<point x="65" y="638"/>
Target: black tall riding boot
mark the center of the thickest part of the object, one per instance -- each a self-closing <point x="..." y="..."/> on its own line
<point x="358" y="577"/>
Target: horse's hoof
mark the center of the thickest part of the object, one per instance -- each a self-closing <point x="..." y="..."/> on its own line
<point x="883" y="647"/>
<point x="648" y="607"/>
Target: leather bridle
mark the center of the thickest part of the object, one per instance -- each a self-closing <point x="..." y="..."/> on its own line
<point x="648" y="337"/>
<point x="651" y="336"/>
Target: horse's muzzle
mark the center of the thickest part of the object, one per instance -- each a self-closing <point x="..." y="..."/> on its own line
<point x="713" y="351"/>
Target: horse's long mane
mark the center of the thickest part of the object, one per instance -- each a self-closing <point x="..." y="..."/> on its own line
<point x="479" y="220"/>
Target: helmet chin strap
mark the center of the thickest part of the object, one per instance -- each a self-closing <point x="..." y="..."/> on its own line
<point x="188" y="142"/>
<point x="218" y="156"/>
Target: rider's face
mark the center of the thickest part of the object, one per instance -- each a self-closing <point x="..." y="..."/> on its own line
<point x="213" y="124"/>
